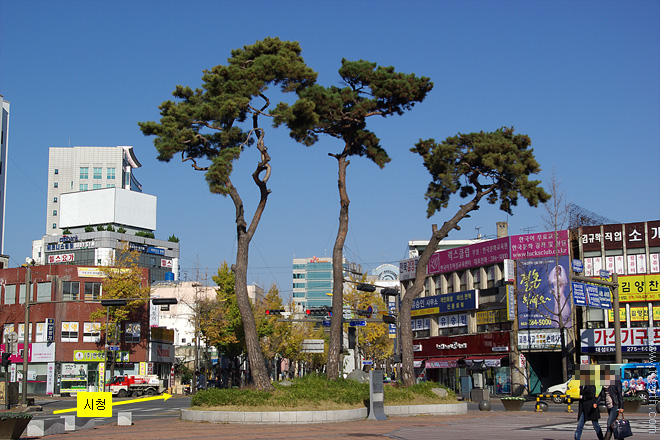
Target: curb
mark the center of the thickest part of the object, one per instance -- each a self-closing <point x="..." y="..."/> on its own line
<point x="306" y="417"/>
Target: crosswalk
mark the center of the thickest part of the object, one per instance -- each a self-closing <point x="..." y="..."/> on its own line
<point x="636" y="425"/>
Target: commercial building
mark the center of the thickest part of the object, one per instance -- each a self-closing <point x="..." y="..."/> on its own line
<point x="72" y="169"/>
<point x="632" y="251"/>
<point x="478" y="301"/>
<point x="66" y="351"/>
<point x="312" y="280"/>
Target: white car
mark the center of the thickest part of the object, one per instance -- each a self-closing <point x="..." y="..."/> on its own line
<point x="558" y="390"/>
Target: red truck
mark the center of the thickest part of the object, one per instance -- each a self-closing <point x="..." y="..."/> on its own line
<point x="123" y="386"/>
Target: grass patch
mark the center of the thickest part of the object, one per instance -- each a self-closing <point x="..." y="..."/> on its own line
<point x="314" y="392"/>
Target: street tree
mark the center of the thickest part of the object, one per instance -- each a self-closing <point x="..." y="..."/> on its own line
<point x="342" y="112"/>
<point x="492" y="165"/>
<point x="212" y="126"/>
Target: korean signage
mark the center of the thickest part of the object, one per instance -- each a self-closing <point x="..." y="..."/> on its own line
<point x="421" y="324"/>
<point x="541" y="245"/>
<point x="146" y="249"/>
<point x="635" y="236"/>
<point x="162" y="334"/>
<point x="539" y="340"/>
<point x="50" y="330"/>
<point x="633" y="340"/>
<point x="481" y="343"/>
<point x="475" y="255"/>
<point x="408" y="268"/>
<point x="492" y="316"/>
<point x="447" y="303"/>
<point x="61" y="258"/>
<point x="456" y="320"/>
<point x="161" y="352"/>
<point x="37" y="352"/>
<point x="67" y="246"/>
<point x="165" y="263"/>
<point x="97" y="356"/>
<point x="543" y="293"/>
<point x="639" y="288"/>
<point x="74" y="372"/>
<point x="636" y="314"/>
<point x="579" y="294"/>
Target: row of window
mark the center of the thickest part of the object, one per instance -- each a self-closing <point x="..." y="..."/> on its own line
<point x="70" y="332"/>
<point x="70" y="292"/>
<point x="83" y="187"/>
<point x="98" y="172"/>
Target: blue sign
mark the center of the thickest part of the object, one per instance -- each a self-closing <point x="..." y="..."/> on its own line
<point x="326" y="323"/>
<point x="367" y="362"/>
<point x="593" y="297"/>
<point x="605" y="297"/>
<point x="604" y="273"/>
<point x="50" y="330"/>
<point x="357" y="323"/>
<point x="577" y="266"/>
<point x="113" y="347"/>
<point x="447" y="303"/>
<point x="579" y="296"/>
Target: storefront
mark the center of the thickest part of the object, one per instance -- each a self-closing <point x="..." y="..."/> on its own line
<point x="463" y="362"/>
<point x="40" y="355"/>
<point x="637" y="344"/>
<point x="88" y="370"/>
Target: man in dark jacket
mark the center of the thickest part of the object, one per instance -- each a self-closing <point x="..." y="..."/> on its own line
<point x="588" y="410"/>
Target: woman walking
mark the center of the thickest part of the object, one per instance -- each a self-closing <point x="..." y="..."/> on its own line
<point x="613" y="399"/>
<point x="588" y="410"/>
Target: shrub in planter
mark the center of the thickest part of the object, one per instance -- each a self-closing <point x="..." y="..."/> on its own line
<point x="632" y="403"/>
<point x="513" y="403"/>
<point x="13" y="424"/>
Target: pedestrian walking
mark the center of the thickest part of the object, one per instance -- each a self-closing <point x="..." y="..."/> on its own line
<point x="613" y="397"/>
<point x="588" y="410"/>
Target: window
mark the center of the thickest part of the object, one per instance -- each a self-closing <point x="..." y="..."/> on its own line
<point x="110" y="185"/>
<point x="57" y="171"/>
<point x="41" y="333"/>
<point x="70" y="290"/>
<point x="92" y="291"/>
<point x="132" y="334"/>
<point x="91" y="332"/>
<point x="84" y="172"/>
<point x="98" y="173"/>
<point x="54" y="184"/>
<point x="54" y="212"/>
<point x="69" y="331"/>
<point x="7" y="328"/>
<point x="83" y="187"/>
<point x="21" y="332"/>
<point x="10" y="294"/>
<point x="111" y="173"/>
<point x="54" y="225"/>
<point x="97" y="186"/>
<point x="43" y="292"/>
<point x="54" y="199"/>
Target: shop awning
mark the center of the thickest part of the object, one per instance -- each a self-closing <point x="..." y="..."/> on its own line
<point x="443" y="362"/>
<point x="490" y="360"/>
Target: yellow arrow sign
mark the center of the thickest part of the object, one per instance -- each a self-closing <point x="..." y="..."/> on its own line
<point x="100" y="404"/>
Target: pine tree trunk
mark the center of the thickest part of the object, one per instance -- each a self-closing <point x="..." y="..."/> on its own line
<point x="255" y="355"/>
<point x="336" y="332"/>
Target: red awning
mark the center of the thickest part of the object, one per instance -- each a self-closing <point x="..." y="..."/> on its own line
<point x="443" y="362"/>
<point x="491" y="360"/>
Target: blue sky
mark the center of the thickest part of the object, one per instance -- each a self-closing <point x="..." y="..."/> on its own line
<point x="581" y="78"/>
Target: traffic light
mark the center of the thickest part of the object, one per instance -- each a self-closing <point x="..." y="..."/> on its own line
<point x="389" y="319"/>
<point x="366" y="313"/>
<point x="5" y="359"/>
<point x="366" y="287"/>
<point x="274" y="311"/>
<point x="319" y="311"/>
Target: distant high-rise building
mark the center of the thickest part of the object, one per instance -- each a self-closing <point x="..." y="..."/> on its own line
<point x="84" y="169"/>
<point x="4" y="147"/>
<point x="312" y="280"/>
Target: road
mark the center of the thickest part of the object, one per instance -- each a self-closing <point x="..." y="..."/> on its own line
<point x="150" y="409"/>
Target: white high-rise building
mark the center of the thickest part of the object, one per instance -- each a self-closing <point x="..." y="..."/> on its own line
<point x="85" y="169"/>
<point x="4" y="147"/>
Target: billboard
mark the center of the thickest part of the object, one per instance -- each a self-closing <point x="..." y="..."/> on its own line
<point x="543" y="293"/>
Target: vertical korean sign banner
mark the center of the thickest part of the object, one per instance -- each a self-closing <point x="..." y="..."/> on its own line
<point x="544" y="293"/>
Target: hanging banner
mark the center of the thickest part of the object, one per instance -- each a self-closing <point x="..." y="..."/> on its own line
<point x="543" y="293"/>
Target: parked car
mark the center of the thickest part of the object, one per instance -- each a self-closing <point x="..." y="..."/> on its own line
<point x="558" y="390"/>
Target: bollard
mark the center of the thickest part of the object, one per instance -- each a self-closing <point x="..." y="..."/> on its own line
<point x="124" y="418"/>
<point x="537" y="406"/>
<point x="568" y="408"/>
<point x="484" y="405"/>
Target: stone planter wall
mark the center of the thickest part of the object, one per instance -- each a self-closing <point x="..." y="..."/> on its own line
<point x="513" y="405"/>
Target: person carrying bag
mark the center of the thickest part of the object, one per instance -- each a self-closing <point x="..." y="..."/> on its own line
<point x="621" y="428"/>
<point x="588" y="410"/>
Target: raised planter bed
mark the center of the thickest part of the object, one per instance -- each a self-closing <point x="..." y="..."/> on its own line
<point x="512" y="404"/>
<point x="12" y="425"/>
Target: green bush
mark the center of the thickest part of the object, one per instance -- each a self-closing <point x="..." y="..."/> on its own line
<point x="313" y="390"/>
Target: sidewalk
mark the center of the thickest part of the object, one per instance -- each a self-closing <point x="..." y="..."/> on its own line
<point x="476" y="425"/>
